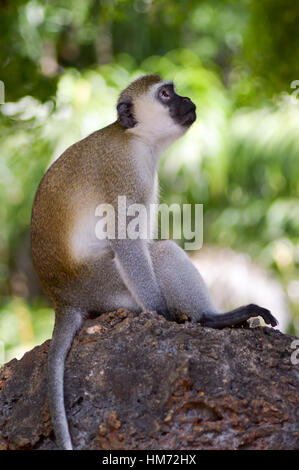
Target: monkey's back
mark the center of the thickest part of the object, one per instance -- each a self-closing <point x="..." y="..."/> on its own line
<point x="63" y="214"/>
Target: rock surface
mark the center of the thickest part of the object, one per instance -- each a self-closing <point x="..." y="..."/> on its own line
<point x="141" y="382"/>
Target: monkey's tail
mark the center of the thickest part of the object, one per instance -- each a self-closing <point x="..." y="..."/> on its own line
<point x="67" y="322"/>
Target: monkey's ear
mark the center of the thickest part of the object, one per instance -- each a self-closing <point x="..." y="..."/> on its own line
<point x="125" y="113"/>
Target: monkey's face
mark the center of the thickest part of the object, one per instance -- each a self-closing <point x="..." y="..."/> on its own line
<point x="155" y="112"/>
<point x="181" y="108"/>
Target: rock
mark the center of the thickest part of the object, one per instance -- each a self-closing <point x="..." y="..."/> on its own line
<point x="141" y="382"/>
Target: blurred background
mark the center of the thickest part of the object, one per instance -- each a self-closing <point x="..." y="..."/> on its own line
<point x="63" y="64"/>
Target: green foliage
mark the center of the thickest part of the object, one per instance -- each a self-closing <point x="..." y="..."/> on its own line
<point x="63" y="65"/>
<point x="23" y="325"/>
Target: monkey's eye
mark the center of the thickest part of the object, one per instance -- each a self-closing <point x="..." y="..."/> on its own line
<point x="165" y="94"/>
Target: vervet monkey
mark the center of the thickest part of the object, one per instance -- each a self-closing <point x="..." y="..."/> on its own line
<point x="83" y="275"/>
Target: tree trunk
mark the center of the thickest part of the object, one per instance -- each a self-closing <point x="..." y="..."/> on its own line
<point x="141" y="382"/>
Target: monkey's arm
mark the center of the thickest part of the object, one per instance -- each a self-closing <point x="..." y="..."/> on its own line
<point x="135" y="267"/>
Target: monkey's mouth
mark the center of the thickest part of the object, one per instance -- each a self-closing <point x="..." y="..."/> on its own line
<point x="184" y="114"/>
<point x="188" y="117"/>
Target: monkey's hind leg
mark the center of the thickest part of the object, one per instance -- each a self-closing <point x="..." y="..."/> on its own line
<point x="68" y="321"/>
<point x="237" y="316"/>
<point x="185" y="290"/>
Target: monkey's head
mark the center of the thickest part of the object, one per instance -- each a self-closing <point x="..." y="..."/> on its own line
<point x="150" y="107"/>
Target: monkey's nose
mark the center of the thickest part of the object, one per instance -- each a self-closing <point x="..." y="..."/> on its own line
<point x="188" y="105"/>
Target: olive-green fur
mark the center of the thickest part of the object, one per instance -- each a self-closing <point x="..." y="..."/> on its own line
<point x="86" y="175"/>
<point x="140" y="86"/>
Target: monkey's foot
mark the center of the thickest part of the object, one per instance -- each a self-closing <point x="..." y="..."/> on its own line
<point x="237" y="316"/>
<point x="264" y="313"/>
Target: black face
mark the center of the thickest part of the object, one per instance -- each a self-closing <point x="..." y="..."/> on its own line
<point x="181" y="108"/>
